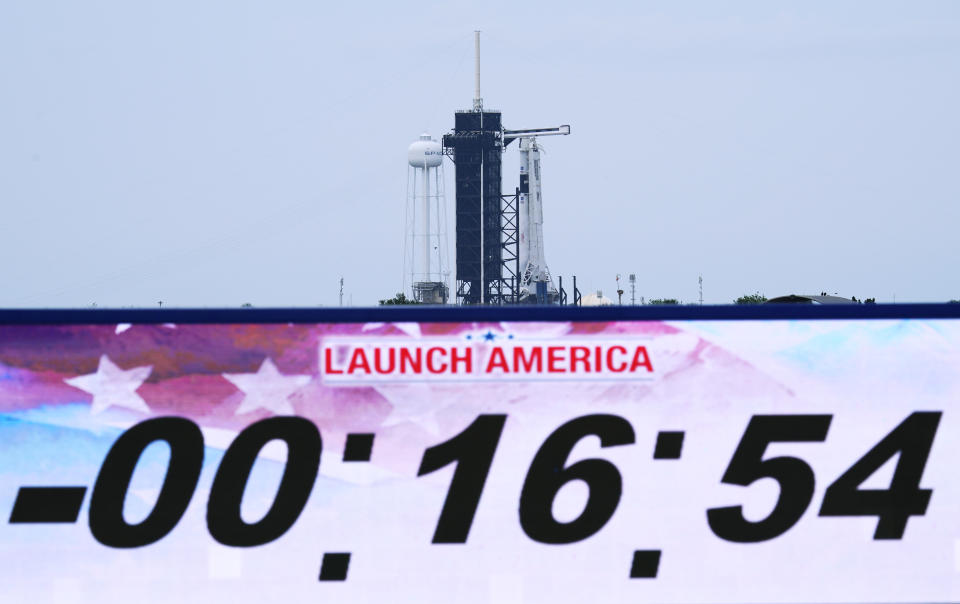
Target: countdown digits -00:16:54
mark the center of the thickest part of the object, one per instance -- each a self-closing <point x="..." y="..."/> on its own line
<point x="472" y="451"/>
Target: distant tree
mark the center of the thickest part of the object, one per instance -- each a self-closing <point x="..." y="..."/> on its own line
<point x="663" y="301"/>
<point x="954" y="301"/>
<point x="246" y="305"/>
<point x="756" y="298"/>
<point x="870" y="301"/>
<point x="397" y="300"/>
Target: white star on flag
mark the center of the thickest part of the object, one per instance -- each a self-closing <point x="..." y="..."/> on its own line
<point x="411" y="329"/>
<point x="112" y="386"/>
<point x="267" y="389"/>
<point x="411" y="403"/>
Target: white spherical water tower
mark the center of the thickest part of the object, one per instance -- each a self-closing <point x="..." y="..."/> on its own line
<point x="425" y="259"/>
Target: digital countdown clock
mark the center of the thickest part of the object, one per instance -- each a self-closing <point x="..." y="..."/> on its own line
<point x="691" y="455"/>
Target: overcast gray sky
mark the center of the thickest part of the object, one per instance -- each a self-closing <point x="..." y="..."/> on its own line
<point x="221" y="152"/>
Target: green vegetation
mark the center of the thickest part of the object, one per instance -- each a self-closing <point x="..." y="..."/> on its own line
<point x="397" y="300"/>
<point x="755" y="298"/>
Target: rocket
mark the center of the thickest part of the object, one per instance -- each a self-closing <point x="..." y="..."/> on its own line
<point x="533" y="263"/>
<point x="536" y="284"/>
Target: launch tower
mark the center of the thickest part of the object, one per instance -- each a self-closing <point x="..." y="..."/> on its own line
<point x="499" y="237"/>
<point x="476" y="146"/>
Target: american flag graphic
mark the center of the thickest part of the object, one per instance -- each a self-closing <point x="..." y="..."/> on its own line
<point x="225" y="377"/>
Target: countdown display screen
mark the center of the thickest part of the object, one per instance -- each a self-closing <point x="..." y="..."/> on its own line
<point x="486" y="457"/>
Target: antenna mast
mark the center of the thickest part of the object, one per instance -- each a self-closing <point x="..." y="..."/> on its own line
<point x="477" y="101"/>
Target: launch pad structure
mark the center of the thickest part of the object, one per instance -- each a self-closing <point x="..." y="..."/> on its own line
<point x="499" y="238"/>
<point x="476" y="147"/>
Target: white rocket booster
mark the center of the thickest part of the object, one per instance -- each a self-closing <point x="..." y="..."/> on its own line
<point x="533" y="263"/>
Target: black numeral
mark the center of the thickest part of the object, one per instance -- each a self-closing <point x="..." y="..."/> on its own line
<point x="794" y="475"/>
<point x="893" y="506"/>
<point x="186" y="460"/>
<point x="547" y="475"/>
<point x="303" y="462"/>
<point x="472" y="450"/>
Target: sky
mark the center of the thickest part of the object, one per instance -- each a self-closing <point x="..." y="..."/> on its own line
<point x="205" y="154"/>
